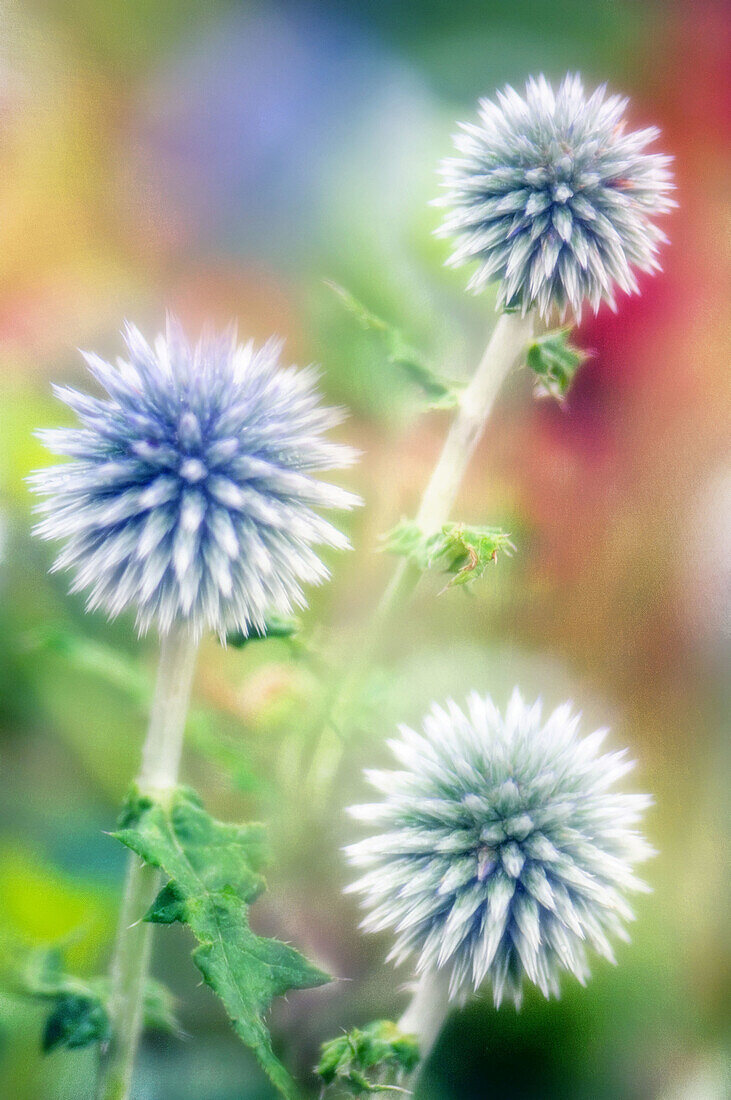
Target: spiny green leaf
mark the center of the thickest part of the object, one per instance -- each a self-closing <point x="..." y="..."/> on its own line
<point x="555" y="360"/>
<point x="369" y="1060"/>
<point x="443" y="393"/>
<point x="465" y="552"/>
<point x="214" y="876"/>
<point x="277" y="626"/>
<point x="458" y="549"/>
<point x="79" y="1013"/>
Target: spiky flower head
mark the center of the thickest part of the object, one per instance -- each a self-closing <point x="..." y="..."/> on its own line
<point x="503" y="852"/>
<point x="190" y="493"/>
<point x="552" y="196"/>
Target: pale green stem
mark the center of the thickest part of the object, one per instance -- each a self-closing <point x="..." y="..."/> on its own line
<point x="508" y="342"/>
<point x="158" y="773"/>
<point x="426" y="1013"/>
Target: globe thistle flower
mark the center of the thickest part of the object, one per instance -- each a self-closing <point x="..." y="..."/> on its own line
<point x="190" y="495"/>
<point x="502" y="853"/>
<point x="554" y="198"/>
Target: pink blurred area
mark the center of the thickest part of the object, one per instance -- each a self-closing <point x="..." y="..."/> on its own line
<point x="644" y="437"/>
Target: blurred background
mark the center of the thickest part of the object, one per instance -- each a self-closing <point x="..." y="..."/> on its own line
<point x="222" y="160"/>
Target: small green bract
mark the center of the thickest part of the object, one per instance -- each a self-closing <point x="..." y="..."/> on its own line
<point x="458" y="549"/>
<point x="555" y="360"/>
<point x="380" y="1049"/>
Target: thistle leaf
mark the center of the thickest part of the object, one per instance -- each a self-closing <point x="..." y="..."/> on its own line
<point x="555" y="360"/>
<point x="443" y="393"/>
<point x="214" y="876"/>
<point x="369" y="1060"/>
<point x="457" y="549"/>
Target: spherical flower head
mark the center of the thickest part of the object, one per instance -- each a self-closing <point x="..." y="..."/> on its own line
<point x="502" y="853"/>
<point x="554" y="198"/>
<point x="189" y="495"/>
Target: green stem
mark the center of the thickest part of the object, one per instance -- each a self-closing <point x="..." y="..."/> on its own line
<point x="508" y="342"/>
<point x="509" y="339"/>
<point x="158" y="773"/>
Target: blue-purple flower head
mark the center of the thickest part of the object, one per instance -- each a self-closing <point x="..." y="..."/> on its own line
<point x="189" y="495"/>
<point x="553" y="197"/>
<point x="502" y="851"/>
